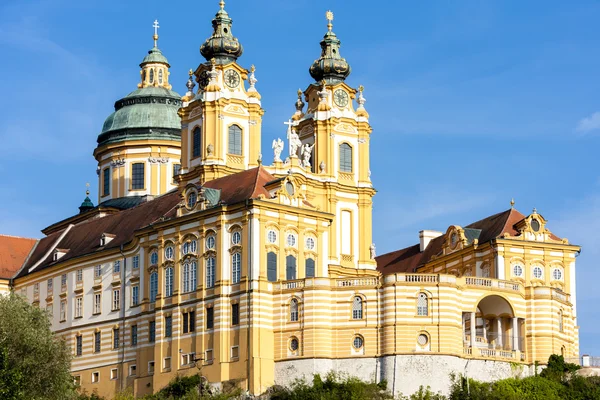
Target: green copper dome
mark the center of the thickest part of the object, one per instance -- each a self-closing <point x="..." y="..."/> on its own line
<point x="331" y="66"/>
<point x="222" y="45"/>
<point x="86" y="205"/>
<point x="155" y="56"/>
<point x="146" y="113"/>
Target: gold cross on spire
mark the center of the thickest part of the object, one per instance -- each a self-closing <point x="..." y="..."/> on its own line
<point x="155" y="36"/>
<point x="222" y="4"/>
<point x="329" y="16"/>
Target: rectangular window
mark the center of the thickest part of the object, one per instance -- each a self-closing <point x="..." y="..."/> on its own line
<point x="176" y="169"/>
<point x="345" y="157"/>
<point x="106" y="182"/>
<point x="97" y="342"/>
<point x="185" y="322"/>
<point x="151" y="367"/>
<point x="189" y="321"/>
<point x="116" y="303"/>
<point x="135" y="295"/>
<point x="77" y="380"/>
<point x="137" y="176"/>
<point x="49" y="310"/>
<point x="115" y="338"/>
<point x="97" y="303"/>
<point x="117" y="267"/>
<point x="271" y="267"/>
<point x="290" y="267"/>
<point x="196" y="140"/>
<point x="168" y="326"/>
<point x="95" y="377"/>
<point x="114" y="374"/>
<point x="79" y="275"/>
<point x="78" y="307"/>
<point x="208" y="356"/>
<point x="132" y="370"/>
<point x="50" y="286"/>
<point x="235" y="140"/>
<point x="63" y="310"/>
<point x="136" y="262"/>
<point x="63" y="280"/>
<point x="79" y="345"/>
<point x="167" y="363"/>
<point x="134" y="335"/>
<point x="235" y="352"/>
<point x="152" y="331"/>
<point x="36" y="289"/>
<point x="235" y="314"/>
<point x="210" y="272"/>
<point x="346" y="232"/>
<point x="210" y="318"/>
<point x="187" y="359"/>
<point x="97" y="271"/>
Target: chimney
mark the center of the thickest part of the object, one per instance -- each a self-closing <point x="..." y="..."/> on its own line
<point x="427" y="236"/>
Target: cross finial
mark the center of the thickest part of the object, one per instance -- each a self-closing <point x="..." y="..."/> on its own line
<point x="222" y="4"/>
<point x="512" y="203"/>
<point x="87" y="189"/>
<point x="155" y="37"/>
<point x="534" y="210"/>
<point x="329" y="16"/>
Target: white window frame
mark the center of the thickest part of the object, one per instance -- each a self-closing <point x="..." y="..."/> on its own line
<point x="116" y="299"/>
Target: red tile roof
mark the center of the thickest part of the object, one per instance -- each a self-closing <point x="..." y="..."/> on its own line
<point x="13" y="252"/>
<point x="411" y="258"/>
<point x="84" y="238"/>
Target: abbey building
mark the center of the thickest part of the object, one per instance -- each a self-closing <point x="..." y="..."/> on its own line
<point x="200" y="257"/>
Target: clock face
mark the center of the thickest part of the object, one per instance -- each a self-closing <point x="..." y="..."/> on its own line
<point x="341" y="98"/>
<point x="232" y="78"/>
<point x="203" y="80"/>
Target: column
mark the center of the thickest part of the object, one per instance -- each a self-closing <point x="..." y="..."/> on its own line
<point x="515" y="329"/>
<point x="473" y="331"/>
<point x="499" y="328"/>
<point x="484" y="331"/>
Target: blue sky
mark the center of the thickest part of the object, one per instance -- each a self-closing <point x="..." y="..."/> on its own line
<point x="472" y="103"/>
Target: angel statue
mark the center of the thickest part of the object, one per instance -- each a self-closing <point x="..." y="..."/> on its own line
<point x="306" y="152"/>
<point x="277" y="149"/>
<point x="295" y="142"/>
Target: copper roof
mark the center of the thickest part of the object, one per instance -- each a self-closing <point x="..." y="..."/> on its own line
<point x="13" y="252"/>
<point x="411" y="258"/>
<point x="84" y="238"/>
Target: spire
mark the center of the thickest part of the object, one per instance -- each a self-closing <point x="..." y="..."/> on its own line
<point x="155" y="37"/>
<point x="87" y="203"/>
<point x="331" y="67"/>
<point x="221" y="45"/>
<point x="154" y="54"/>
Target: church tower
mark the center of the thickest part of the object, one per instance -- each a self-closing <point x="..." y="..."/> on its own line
<point x="139" y="148"/>
<point x="339" y="135"/>
<point x="221" y="122"/>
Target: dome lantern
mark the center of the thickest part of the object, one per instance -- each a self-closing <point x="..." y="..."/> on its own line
<point x="331" y="66"/>
<point x="221" y="45"/>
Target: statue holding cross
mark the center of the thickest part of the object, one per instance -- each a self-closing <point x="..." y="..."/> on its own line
<point x="293" y="138"/>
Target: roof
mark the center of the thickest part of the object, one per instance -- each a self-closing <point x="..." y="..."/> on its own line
<point x="155" y="56"/>
<point x="83" y="238"/>
<point x="13" y="252"/>
<point x="485" y="230"/>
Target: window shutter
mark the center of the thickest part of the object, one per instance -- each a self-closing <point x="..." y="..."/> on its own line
<point x="345" y="157"/>
<point x="235" y="140"/>
<point x="271" y="267"/>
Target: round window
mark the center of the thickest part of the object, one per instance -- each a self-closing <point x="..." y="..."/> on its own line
<point x="154" y="258"/>
<point x="453" y="239"/>
<point x="289" y="187"/>
<point x="272" y="237"/>
<point x="210" y="242"/>
<point x="535" y="225"/>
<point x="310" y="243"/>
<point x="537" y="272"/>
<point x="294" y="344"/>
<point x="236" y="238"/>
<point x="191" y="199"/>
<point x="422" y="340"/>
<point x="358" y="342"/>
<point x="517" y="270"/>
<point x="169" y="253"/>
<point x="291" y="240"/>
<point x="557" y="274"/>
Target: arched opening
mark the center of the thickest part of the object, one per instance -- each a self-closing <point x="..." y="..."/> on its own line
<point x="493" y="330"/>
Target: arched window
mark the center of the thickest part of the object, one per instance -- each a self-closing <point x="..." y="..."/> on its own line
<point x="169" y="253"/>
<point x="561" y="326"/>
<point x="153" y="286"/>
<point x="271" y="267"/>
<point x="309" y="268"/>
<point x="290" y="267"/>
<point x="153" y="258"/>
<point x="160" y="76"/>
<point x="186" y="277"/>
<point x="357" y="308"/>
<point x="210" y="272"/>
<point x="169" y="282"/>
<point x="294" y="310"/>
<point x="151" y="75"/>
<point x="236" y="267"/>
<point x="196" y="142"/>
<point x="235" y="140"/>
<point x="345" y="157"/>
<point x="193" y="276"/>
<point x="422" y="305"/>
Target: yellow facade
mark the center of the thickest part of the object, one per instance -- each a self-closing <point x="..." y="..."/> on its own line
<point x="309" y="290"/>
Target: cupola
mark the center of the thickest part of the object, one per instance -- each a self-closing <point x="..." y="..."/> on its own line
<point x="331" y="66"/>
<point x="221" y="45"/>
<point x="87" y="204"/>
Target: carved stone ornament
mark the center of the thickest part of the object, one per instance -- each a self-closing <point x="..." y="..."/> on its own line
<point x="117" y="162"/>
<point x="195" y="112"/>
<point x="210" y="149"/>
<point x="322" y="167"/>
<point x="372" y="250"/>
<point x="277" y="149"/>
<point x="158" y="160"/>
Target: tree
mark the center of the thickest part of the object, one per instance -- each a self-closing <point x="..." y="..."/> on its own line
<point x="558" y="370"/>
<point x="34" y="364"/>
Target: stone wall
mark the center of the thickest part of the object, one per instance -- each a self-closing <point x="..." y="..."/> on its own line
<point x="404" y="373"/>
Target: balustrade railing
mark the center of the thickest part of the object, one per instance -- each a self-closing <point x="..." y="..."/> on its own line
<point x="357" y="282"/>
<point x="492" y="283"/>
<point x="421" y="278"/>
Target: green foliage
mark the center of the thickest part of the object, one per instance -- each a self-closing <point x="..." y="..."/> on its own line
<point x="558" y="370"/>
<point x="34" y="364"/>
<point x="424" y="394"/>
<point x="334" y="387"/>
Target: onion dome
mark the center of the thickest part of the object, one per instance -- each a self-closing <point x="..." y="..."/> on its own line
<point x="331" y="67"/>
<point x="150" y="112"/>
<point x="222" y="45"/>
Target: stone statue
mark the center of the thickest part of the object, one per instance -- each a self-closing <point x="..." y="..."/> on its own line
<point x="306" y="152"/>
<point x="277" y="149"/>
<point x="294" y="142"/>
<point x="372" y="250"/>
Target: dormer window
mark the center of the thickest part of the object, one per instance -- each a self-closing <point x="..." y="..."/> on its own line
<point x="58" y="253"/>
<point x="535" y="225"/>
<point x="105" y="239"/>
